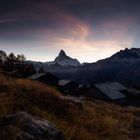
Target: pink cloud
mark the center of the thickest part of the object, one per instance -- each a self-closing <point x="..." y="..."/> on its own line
<point x="71" y="33"/>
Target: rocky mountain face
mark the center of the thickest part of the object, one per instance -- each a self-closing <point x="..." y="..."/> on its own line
<point x="62" y="66"/>
<point x="27" y="127"/>
<point x="132" y="54"/>
<point x="124" y="67"/>
<point x="63" y="60"/>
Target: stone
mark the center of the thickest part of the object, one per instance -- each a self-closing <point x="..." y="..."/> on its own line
<point x="31" y="128"/>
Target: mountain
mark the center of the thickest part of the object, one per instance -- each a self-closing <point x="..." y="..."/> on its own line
<point x="123" y="66"/>
<point x="37" y="65"/>
<point x="63" y="60"/>
<point x="63" y="66"/>
<point x="133" y="53"/>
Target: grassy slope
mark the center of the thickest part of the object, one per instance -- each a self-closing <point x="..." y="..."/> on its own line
<point x="95" y="121"/>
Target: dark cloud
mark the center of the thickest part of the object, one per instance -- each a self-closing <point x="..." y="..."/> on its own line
<point x="25" y="18"/>
<point x="87" y="25"/>
<point x="88" y="10"/>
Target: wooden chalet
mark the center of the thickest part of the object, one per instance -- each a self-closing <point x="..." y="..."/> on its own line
<point x="46" y="78"/>
<point x="68" y="87"/>
<point x="107" y="91"/>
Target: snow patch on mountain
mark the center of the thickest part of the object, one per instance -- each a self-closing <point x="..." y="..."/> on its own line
<point x="63" y="60"/>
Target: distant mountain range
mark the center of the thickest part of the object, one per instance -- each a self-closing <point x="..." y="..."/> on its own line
<point x="123" y="66"/>
<point x="62" y="60"/>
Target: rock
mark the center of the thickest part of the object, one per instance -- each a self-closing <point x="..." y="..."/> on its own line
<point x="31" y="128"/>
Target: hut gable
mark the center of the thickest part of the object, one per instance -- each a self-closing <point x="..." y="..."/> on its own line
<point x="111" y="90"/>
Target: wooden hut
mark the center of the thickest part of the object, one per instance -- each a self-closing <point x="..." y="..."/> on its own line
<point x="46" y="78"/>
<point x="107" y="91"/>
<point x="68" y="87"/>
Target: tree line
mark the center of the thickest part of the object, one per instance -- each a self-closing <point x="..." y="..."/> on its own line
<point x="16" y="64"/>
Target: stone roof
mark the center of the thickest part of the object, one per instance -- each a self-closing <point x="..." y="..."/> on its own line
<point x="112" y="90"/>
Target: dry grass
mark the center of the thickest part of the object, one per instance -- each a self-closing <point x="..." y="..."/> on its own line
<point x="95" y="121"/>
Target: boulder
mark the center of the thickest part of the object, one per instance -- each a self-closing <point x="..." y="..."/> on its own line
<point x="29" y="127"/>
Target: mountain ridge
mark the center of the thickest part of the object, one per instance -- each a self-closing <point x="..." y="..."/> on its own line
<point x="123" y="67"/>
<point x="128" y="53"/>
<point x="64" y="60"/>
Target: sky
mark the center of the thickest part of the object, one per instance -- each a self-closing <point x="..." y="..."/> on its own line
<point x="88" y="30"/>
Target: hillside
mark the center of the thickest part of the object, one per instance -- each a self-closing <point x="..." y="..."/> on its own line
<point x="122" y="67"/>
<point x="92" y="120"/>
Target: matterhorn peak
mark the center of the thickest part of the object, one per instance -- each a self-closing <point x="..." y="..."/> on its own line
<point x="62" y="56"/>
<point x="64" y="60"/>
<point x="62" y="52"/>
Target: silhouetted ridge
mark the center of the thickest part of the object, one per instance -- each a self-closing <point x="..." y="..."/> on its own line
<point x="128" y="53"/>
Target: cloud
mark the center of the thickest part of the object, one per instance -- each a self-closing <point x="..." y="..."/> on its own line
<point x="86" y="29"/>
<point x="89" y="51"/>
<point x="80" y="39"/>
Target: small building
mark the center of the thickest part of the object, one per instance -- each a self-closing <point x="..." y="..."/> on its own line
<point x="83" y="89"/>
<point x="107" y="91"/>
<point x="68" y="87"/>
<point x="46" y="78"/>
